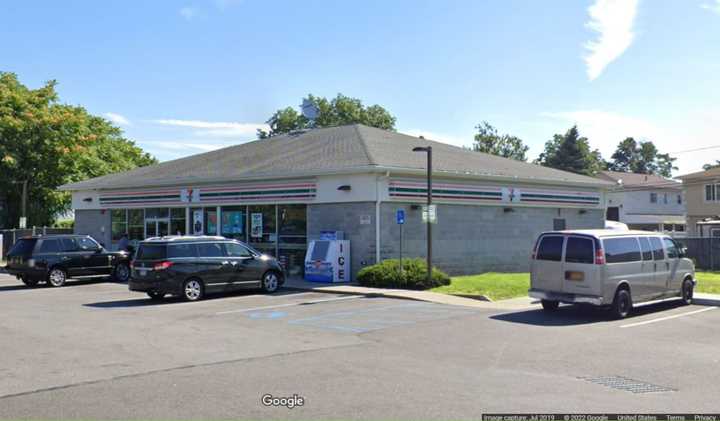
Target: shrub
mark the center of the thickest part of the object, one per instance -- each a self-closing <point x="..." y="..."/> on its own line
<point x="386" y="274"/>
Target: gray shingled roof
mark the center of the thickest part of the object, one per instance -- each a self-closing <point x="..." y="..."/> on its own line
<point x="639" y="181"/>
<point x="321" y="151"/>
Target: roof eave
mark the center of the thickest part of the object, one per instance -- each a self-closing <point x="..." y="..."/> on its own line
<point x="606" y="185"/>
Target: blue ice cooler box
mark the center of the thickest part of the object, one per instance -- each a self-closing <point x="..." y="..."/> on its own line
<point x="328" y="261"/>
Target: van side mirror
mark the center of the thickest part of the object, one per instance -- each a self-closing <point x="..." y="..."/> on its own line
<point x="683" y="251"/>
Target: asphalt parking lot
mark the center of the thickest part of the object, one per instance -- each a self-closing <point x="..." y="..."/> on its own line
<point x="95" y="350"/>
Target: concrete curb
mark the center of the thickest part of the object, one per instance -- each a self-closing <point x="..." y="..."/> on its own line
<point x="426" y="296"/>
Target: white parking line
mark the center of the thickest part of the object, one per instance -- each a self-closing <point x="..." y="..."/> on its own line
<point x="675" y="316"/>
<point x="327" y="300"/>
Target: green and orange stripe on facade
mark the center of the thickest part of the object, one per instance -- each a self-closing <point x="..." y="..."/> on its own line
<point x="228" y="194"/>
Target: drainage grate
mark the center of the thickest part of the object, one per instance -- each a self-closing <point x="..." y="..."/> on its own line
<point x="628" y="385"/>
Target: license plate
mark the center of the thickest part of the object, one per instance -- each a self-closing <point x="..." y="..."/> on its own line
<point x="143" y="272"/>
<point x="575" y="276"/>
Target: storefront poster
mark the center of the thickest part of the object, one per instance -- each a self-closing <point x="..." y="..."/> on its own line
<point x="256" y="228"/>
<point x="212" y="223"/>
<point x="198" y="222"/>
<point x="232" y="222"/>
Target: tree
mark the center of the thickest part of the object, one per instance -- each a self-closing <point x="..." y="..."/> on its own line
<point x="570" y="152"/>
<point x="489" y="141"/>
<point x="45" y="144"/>
<point x="711" y="166"/>
<point x="338" y="111"/>
<point x="641" y="158"/>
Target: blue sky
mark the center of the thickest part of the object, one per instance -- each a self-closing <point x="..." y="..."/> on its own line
<point x="181" y="77"/>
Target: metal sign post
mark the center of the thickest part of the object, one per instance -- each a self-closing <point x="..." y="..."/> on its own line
<point x="400" y="219"/>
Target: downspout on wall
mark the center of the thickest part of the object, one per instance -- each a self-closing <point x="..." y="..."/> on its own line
<point x="377" y="216"/>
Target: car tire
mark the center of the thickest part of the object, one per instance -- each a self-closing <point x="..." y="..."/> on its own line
<point x="687" y="292"/>
<point x="56" y="277"/>
<point x="193" y="290"/>
<point x="156" y="296"/>
<point x="31" y="282"/>
<point x="622" y="304"/>
<point x="121" y="273"/>
<point x="270" y="282"/>
<point x="549" y="305"/>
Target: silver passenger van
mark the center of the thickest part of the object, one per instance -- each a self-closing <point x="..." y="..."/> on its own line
<point x="609" y="268"/>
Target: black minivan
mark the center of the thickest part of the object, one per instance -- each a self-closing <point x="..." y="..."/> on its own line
<point x="55" y="258"/>
<point x="193" y="266"/>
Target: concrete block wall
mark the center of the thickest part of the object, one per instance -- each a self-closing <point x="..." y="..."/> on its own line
<point x="472" y="239"/>
<point x="95" y="223"/>
<point x="347" y="217"/>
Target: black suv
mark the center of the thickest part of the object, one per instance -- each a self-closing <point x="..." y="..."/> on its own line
<point x="193" y="266"/>
<point x="55" y="258"/>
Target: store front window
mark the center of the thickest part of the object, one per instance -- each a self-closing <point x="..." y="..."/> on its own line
<point x="211" y="220"/>
<point x="136" y="224"/>
<point x="292" y="241"/>
<point x="263" y="233"/>
<point x="118" y="223"/>
<point x="177" y="221"/>
<point x="277" y="230"/>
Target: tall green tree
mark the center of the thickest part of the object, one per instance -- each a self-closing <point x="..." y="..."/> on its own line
<point x="337" y="111"/>
<point x="711" y="166"/>
<point x="489" y="141"/>
<point x="571" y="152"/>
<point x="641" y="158"/>
<point x="44" y="144"/>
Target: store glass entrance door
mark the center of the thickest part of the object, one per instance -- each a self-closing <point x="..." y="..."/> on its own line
<point x="157" y="227"/>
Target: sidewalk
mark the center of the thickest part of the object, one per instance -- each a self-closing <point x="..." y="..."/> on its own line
<point x="519" y="303"/>
<point x="432" y="297"/>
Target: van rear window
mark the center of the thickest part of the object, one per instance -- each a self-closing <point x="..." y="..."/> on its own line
<point x="622" y="250"/>
<point x="151" y="252"/>
<point x="579" y="250"/>
<point x="550" y="248"/>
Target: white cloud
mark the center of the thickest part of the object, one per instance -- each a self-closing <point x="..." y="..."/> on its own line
<point x="440" y="137"/>
<point x="189" y="13"/>
<point x="613" y="20"/>
<point x="712" y="6"/>
<point x="216" y="128"/>
<point x="118" y="119"/>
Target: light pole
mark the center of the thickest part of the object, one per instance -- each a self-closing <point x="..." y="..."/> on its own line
<point x="428" y="150"/>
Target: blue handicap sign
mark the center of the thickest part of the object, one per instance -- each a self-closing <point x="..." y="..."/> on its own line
<point x="400" y="216"/>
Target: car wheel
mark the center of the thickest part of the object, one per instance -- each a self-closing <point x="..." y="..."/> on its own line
<point x="270" y="282"/>
<point x="193" y="289"/>
<point x="687" y="292"/>
<point x="31" y="282"/>
<point x="121" y="273"/>
<point x="56" y="277"/>
<point x="156" y="296"/>
<point x="622" y="304"/>
<point x="549" y="305"/>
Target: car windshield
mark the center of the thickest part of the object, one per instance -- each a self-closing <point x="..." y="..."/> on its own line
<point x="152" y="252"/>
<point x="23" y="246"/>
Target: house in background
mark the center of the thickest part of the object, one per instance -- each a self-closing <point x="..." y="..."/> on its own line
<point x="702" y="193"/>
<point x="645" y="202"/>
